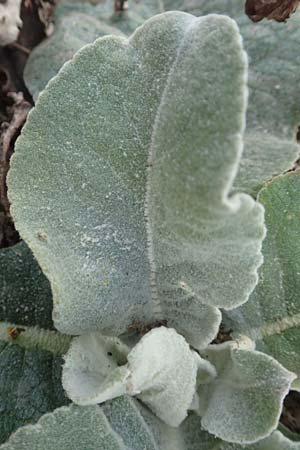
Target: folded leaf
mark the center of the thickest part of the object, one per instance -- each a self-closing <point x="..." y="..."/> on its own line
<point x="244" y="403"/>
<point x="128" y="181"/>
<point x="161" y="371"/>
<point x="274" y="107"/>
<point x="72" y="32"/>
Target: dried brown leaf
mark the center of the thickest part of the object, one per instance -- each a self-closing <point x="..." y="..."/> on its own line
<point x="278" y="10"/>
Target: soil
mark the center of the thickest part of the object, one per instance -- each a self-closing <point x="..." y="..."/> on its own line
<point x="290" y="416"/>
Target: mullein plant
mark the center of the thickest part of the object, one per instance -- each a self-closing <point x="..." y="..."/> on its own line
<point x="149" y="183"/>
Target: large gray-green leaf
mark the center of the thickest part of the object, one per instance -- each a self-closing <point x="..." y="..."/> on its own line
<point x="272" y="315"/>
<point x="274" y="105"/>
<point x="30" y="386"/>
<point x="273" y="113"/>
<point x="25" y="294"/>
<point x="72" y="32"/>
<point x="127" y="181"/>
<point x="243" y="404"/>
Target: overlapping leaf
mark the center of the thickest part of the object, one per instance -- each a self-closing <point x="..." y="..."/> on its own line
<point x="273" y="111"/>
<point x="124" y="424"/>
<point x="244" y="403"/>
<point x="72" y="32"/>
<point x="130" y="192"/>
<point x="272" y="315"/>
<point x="25" y="294"/>
<point x="161" y="370"/>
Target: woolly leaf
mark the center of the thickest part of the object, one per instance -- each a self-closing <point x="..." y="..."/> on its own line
<point x="120" y="425"/>
<point x="128" y="181"/>
<point x="67" y="428"/>
<point x="161" y="371"/>
<point x="244" y="404"/>
<point x="271" y="317"/>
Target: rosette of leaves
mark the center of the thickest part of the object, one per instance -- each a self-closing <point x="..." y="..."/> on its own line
<point x="139" y="190"/>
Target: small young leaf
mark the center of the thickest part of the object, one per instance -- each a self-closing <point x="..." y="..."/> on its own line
<point x="161" y="371"/>
<point x="244" y="404"/>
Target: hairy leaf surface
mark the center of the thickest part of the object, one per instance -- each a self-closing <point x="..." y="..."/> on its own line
<point x="272" y="315"/>
<point x="123" y="424"/>
<point x="25" y="294"/>
<point x="274" y="106"/>
<point x="244" y="403"/>
<point x="135" y="228"/>
<point x="272" y="119"/>
<point x="67" y="428"/>
<point x="161" y="371"/>
<point x="30" y="386"/>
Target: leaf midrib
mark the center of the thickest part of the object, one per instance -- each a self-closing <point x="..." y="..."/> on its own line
<point x="157" y="305"/>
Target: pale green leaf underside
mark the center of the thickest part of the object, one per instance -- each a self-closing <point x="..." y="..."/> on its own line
<point x="125" y="129"/>
<point x="244" y="403"/>
<point x="274" y="107"/>
<point x="161" y="371"/>
<point x="25" y="294"/>
<point x="72" y="32"/>
<point x="272" y="315"/>
<point x="121" y="424"/>
<point x="30" y="386"/>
